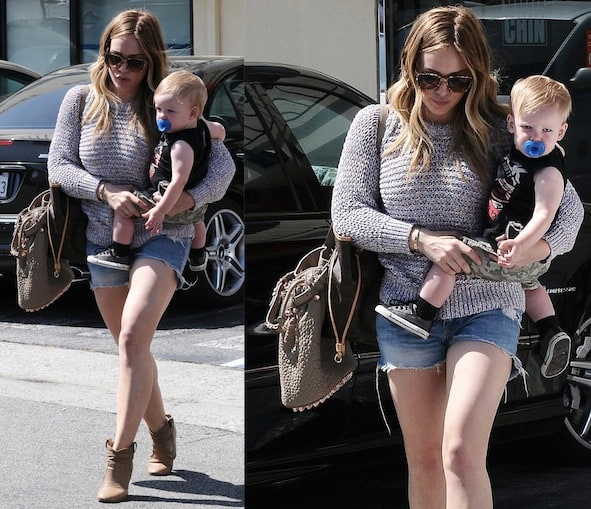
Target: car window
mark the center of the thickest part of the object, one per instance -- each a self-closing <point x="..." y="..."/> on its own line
<point x="10" y="84"/>
<point x="574" y="55"/>
<point x="227" y="103"/>
<point x="319" y="121"/>
<point x="267" y="187"/>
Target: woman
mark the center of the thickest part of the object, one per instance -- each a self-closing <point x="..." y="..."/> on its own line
<point x="444" y="135"/>
<point x="101" y="150"/>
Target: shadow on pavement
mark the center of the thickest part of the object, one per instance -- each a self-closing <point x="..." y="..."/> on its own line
<point x="194" y="483"/>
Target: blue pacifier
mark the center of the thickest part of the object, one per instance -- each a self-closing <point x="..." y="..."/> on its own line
<point x="163" y="124"/>
<point x="534" y="148"/>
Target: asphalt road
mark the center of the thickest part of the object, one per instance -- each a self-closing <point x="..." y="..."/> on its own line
<point x="57" y="390"/>
<point x="58" y="382"/>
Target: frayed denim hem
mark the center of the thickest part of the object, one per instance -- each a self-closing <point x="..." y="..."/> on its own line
<point x="518" y="370"/>
<point x="386" y="368"/>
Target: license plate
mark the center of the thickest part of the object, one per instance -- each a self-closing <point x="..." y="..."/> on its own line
<point x="3" y="185"/>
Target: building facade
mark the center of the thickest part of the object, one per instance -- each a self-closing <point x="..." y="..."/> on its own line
<point x="48" y="34"/>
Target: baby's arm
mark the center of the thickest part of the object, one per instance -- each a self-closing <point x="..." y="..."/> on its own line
<point x="549" y="188"/>
<point x="181" y="158"/>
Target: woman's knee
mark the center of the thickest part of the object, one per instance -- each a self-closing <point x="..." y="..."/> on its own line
<point x="462" y="458"/>
<point x="133" y="346"/>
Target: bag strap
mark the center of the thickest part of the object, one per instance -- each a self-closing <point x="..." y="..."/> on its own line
<point x="381" y="126"/>
<point x="83" y="97"/>
<point x="340" y="341"/>
<point x="57" y="254"/>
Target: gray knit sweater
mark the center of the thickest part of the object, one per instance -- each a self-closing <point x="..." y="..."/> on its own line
<point x="442" y="198"/>
<point x="78" y="162"/>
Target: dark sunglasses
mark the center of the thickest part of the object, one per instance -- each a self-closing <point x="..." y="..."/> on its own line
<point x="134" y="64"/>
<point x="431" y="80"/>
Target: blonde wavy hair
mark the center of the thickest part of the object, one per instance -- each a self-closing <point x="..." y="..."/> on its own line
<point x="145" y="27"/>
<point x="477" y="113"/>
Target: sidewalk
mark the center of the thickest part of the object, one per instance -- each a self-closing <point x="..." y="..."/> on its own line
<point x="57" y="410"/>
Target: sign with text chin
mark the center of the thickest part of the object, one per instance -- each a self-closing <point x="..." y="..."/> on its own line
<point x="526" y="32"/>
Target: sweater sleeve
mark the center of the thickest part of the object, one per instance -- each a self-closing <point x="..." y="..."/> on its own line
<point x="356" y="203"/>
<point x="220" y="171"/>
<point x="63" y="165"/>
<point x="563" y="232"/>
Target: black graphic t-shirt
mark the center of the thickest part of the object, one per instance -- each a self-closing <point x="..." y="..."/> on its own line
<point x="200" y="141"/>
<point x="512" y="197"/>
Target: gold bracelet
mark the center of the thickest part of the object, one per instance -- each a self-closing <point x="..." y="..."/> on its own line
<point x="414" y="239"/>
<point x="100" y="190"/>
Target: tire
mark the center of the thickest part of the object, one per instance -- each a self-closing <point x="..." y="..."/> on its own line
<point x="222" y="281"/>
<point x="574" y="440"/>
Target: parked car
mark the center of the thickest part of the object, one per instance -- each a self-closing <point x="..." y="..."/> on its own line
<point x="295" y="122"/>
<point x="13" y="77"/>
<point x="27" y="120"/>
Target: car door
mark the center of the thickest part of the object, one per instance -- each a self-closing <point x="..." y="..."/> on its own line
<point x="295" y="125"/>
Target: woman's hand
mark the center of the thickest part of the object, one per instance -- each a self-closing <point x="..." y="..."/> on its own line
<point x="447" y="251"/>
<point x="123" y="201"/>
<point x="216" y="130"/>
<point x="184" y="202"/>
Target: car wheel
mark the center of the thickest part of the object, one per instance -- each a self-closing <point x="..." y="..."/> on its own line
<point x="222" y="281"/>
<point x="575" y="443"/>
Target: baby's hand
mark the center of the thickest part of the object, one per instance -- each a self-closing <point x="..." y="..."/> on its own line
<point x="508" y="251"/>
<point x="154" y="220"/>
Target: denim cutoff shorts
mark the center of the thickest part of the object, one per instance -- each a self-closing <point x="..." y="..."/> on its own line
<point x="401" y="349"/>
<point x="173" y="253"/>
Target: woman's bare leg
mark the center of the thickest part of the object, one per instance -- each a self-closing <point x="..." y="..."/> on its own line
<point x="419" y="397"/>
<point x="152" y="285"/>
<point x="476" y="377"/>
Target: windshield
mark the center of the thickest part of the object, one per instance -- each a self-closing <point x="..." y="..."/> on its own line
<point x="36" y="106"/>
<point x="521" y="47"/>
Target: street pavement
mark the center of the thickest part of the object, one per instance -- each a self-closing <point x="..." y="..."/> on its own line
<point x="57" y="410"/>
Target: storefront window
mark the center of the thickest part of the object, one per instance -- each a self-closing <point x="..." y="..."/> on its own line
<point x="174" y="15"/>
<point x="38" y="33"/>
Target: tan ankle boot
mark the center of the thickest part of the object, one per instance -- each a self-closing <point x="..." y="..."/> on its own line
<point x="117" y="474"/>
<point x="163" y="449"/>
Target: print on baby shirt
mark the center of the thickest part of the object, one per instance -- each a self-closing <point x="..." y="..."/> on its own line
<point x="512" y="197"/>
